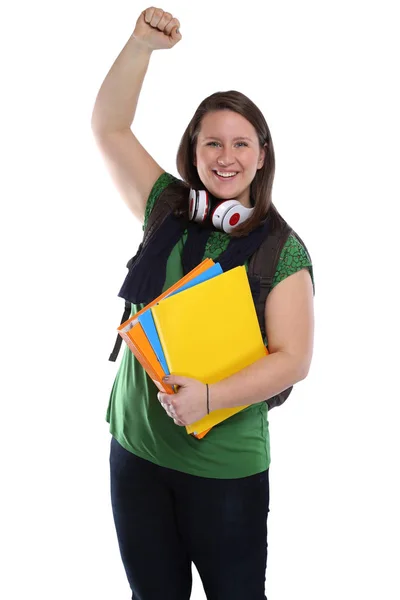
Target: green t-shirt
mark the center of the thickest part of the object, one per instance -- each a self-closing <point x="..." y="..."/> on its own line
<point x="237" y="447"/>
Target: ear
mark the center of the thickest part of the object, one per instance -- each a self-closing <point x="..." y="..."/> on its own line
<point x="261" y="159"/>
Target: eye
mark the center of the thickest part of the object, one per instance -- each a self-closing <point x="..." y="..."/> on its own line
<point x="217" y="143"/>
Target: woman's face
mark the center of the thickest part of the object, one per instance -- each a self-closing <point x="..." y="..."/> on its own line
<point x="228" y="144"/>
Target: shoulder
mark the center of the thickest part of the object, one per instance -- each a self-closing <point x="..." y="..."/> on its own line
<point x="294" y="256"/>
<point x="163" y="182"/>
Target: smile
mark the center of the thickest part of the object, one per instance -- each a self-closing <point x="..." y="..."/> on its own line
<point x="222" y="176"/>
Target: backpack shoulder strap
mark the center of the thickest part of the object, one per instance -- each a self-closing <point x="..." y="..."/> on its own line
<point x="164" y="204"/>
<point x="263" y="263"/>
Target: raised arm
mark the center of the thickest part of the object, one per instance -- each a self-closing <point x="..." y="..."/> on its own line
<point x="131" y="167"/>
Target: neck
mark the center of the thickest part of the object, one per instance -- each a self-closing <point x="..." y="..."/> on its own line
<point x="246" y="201"/>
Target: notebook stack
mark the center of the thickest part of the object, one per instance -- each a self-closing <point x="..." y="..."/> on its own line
<point x="205" y="326"/>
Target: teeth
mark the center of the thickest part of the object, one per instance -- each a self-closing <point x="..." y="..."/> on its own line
<point x="226" y="174"/>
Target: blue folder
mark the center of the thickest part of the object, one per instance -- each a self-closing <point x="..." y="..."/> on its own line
<point x="147" y="322"/>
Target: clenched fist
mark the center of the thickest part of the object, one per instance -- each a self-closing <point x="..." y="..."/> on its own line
<point x="157" y="29"/>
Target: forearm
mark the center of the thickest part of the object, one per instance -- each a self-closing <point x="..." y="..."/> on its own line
<point x="117" y="98"/>
<point x="261" y="380"/>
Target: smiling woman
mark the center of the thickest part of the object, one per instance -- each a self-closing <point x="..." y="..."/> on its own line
<point x="170" y="491"/>
<point x="227" y="149"/>
<point x="227" y="165"/>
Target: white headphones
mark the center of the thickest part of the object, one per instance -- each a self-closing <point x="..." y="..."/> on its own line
<point x="226" y="215"/>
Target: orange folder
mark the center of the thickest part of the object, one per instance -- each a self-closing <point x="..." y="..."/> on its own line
<point x="132" y="332"/>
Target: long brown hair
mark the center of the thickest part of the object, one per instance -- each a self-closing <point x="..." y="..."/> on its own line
<point x="261" y="186"/>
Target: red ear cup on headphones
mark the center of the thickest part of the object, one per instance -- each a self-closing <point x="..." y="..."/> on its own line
<point x="226" y="215"/>
<point x="199" y="205"/>
<point x="229" y="214"/>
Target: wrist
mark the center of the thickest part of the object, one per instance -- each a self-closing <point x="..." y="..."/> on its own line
<point x="212" y="397"/>
<point x="141" y="45"/>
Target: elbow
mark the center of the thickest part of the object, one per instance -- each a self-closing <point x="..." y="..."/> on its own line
<point x="301" y="367"/>
<point x="304" y="369"/>
<point x="297" y="366"/>
<point x="303" y="373"/>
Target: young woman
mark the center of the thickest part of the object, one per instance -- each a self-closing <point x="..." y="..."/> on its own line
<point x="177" y="499"/>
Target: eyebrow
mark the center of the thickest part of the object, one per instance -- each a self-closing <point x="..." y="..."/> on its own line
<point x="241" y="137"/>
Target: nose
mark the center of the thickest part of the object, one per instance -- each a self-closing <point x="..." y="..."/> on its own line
<point x="225" y="157"/>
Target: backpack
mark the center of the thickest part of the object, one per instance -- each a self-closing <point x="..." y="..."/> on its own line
<point x="261" y="269"/>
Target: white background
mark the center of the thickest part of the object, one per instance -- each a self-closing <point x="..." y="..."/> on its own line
<point x="326" y="78"/>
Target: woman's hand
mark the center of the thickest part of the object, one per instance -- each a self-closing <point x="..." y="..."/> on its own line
<point x="189" y="404"/>
<point x="157" y="29"/>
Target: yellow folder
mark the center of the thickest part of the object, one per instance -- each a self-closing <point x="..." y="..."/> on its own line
<point x="209" y="332"/>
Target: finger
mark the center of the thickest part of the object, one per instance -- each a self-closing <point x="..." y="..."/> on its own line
<point x="175" y="35"/>
<point x="170" y="412"/>
<point x="168" y="407"/>
<point x="173" y="24"/>
<point x="177" y="379"/>
<point x="171" y="408"/>
<point x="157" y="16"/>
<point x="163" y="397"/>
<point x="161" y="401"/>
<point x="164" y="22"/>
<point x="148" y="14"/>
<point x="165" y="403"/>
<point x="165" y="407"/>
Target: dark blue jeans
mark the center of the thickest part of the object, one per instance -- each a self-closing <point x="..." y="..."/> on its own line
<point x="165" y="520"/>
